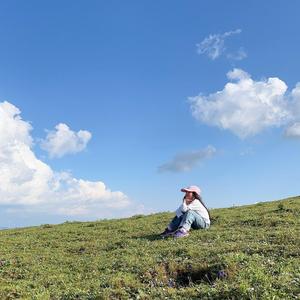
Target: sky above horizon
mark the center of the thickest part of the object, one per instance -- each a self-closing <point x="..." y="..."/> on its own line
<point x="109" y="108"/>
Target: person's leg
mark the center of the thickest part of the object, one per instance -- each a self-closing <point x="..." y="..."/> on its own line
<point x="174" y="224"/>
<point x="192" y="219"/>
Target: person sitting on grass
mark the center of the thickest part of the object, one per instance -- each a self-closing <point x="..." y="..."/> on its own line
<point x="192" y="213"/>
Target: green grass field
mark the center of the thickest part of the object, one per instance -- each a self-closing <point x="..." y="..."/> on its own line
<point x="249" y="252"/>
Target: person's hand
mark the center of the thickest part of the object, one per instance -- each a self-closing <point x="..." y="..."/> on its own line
<point x="188" y="201"/>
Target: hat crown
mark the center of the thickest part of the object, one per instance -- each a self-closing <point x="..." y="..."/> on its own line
<point x="192" y="188"/>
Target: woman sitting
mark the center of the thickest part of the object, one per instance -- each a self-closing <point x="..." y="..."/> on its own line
<point x="192" y="213"/>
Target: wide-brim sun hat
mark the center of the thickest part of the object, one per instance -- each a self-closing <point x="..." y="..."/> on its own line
<point x="192" y="188"/>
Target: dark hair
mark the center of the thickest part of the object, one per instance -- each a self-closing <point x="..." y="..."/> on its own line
<point x="200" y="199"/>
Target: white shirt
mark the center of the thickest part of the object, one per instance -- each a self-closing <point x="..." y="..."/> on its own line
<point x="197" y="206"/>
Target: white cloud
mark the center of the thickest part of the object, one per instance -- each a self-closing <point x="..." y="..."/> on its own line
<point x="239" y="55"/>
<point x="186" y="161"/>
<point x="28" y="184"/>
<point x="63" y="140"/>
<point x="293" y="131"/>
<point x="247" y="107"/>
<point x="295" y="101"/>
<point x="214" y="46"/>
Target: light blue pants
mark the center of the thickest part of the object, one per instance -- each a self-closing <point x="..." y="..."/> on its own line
<point x="187" y="220"/>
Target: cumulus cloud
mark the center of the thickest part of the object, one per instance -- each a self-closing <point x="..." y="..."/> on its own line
<point x="214" y="46"/>
<point x="29" y="184"/>
<point x="247" y="107"/>
<point x="63" y="140"/>
<point x="293" y="131"/>
<point x="183" y="162"/>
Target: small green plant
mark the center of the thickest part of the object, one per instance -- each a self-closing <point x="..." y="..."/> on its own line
<point x="280" y="207"/>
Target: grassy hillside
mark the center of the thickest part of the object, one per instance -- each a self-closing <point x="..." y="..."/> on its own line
<point x="250" y="252"/>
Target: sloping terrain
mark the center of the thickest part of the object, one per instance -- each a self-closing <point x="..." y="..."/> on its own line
<point x="249" y="252"/>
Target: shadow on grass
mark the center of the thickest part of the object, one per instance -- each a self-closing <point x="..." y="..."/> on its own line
<point x="149" y="237"/>
<point x="187" y="275"/>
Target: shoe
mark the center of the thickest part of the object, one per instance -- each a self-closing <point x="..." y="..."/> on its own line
<point x="180" y="233"/>
<point x="166" y="233"/>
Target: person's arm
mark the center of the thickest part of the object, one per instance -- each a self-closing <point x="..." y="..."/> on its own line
<point x="182" y="208"/>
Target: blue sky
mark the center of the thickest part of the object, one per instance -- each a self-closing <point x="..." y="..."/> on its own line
<point x="123" y="73"/>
